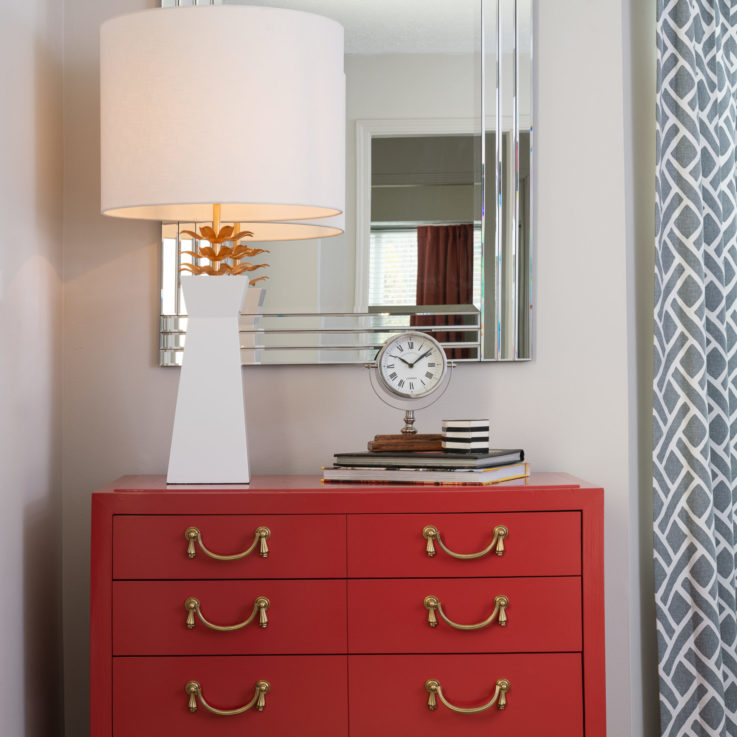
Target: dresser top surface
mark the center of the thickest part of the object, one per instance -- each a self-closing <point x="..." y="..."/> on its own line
<point x="312" y="483"/>
<point x="307" y="494"/>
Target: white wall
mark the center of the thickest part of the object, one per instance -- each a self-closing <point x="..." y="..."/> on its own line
<point x="30" y="347"/>
<point x="570" y="407"/>
<point x="639" y="120"/>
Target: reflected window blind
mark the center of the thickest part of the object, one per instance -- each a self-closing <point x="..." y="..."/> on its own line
<point x="393" y="267"/>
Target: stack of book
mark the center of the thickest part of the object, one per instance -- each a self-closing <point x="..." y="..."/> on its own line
<point x="446" y="467"/>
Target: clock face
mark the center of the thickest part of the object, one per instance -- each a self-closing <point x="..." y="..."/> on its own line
<point x="411" y="365"/>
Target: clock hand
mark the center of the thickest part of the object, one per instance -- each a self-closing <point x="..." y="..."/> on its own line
<point x="426" y="353"/>
<point x="402" y="360"/>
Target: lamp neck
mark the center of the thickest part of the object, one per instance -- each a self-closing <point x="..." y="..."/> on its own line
<point x="216" y="208"/>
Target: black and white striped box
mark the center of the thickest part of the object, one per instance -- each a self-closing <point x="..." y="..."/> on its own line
<point x="466" y="435"/>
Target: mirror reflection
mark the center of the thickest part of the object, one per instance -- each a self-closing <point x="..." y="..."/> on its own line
<point x="438" y="211"/>
<point x="425" y="230"/>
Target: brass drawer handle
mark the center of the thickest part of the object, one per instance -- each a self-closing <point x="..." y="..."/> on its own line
<point x="260" y="606"/>
<point x="432" y="604"/>
<point x="194" y="691"/>
<point x="499" y="698"/>
<point x="260" y="536"/>
<point x="431" y="534"/>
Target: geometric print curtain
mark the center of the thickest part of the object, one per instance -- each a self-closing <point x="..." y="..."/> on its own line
<point x="695" y="371"/>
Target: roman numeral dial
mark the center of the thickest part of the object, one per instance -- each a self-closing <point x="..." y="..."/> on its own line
<point x="411" y="364"/>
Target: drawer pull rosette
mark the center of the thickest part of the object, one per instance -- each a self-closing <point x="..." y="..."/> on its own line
<point x="432" y="535"/>
<point x="260" y="536"/>
<point x="435" y="692"/>
<point x="258" y="702"/>
<point x="433" y="605"/>
<point x="260" y="607"/>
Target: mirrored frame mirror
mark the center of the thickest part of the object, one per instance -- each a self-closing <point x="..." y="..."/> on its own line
<point x="437" y="204"/>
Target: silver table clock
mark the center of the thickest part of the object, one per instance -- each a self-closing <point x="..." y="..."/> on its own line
<point x="411" y="372"/>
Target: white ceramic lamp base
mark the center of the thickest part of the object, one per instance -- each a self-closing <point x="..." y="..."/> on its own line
<point x="208" y="444"/>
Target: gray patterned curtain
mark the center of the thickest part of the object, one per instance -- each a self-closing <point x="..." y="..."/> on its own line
<point x="695" y="394"/>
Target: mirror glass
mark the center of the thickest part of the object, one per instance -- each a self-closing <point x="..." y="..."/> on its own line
<point x="438" y="210"/>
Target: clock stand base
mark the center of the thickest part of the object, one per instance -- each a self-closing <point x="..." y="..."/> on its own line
<point x="407" y="442"/>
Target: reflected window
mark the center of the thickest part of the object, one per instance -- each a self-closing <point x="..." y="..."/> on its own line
<point x="393" y="266"/>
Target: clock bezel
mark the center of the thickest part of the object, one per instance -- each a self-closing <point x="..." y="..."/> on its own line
<point x="406" y="395"/>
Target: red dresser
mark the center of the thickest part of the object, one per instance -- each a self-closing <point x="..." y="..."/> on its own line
<point x="292" y="609"/>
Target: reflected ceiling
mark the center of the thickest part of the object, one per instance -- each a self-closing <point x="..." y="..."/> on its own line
<point x="404" y="26"/>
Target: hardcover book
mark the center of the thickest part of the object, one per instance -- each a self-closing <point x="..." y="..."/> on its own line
<point x="434" y="460"/>
<point x="472" y="476"/>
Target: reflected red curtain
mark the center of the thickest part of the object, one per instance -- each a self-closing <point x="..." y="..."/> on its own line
<point x="445" y="276"/>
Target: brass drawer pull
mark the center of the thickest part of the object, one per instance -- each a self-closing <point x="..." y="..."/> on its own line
<point x="260" y="536"/>
<point x="499" y="698"/>
<point x="260" y="606"/>
<point x="432" y="604"/>
<point x="431" y="534"/>
<point x="194" y="691"/>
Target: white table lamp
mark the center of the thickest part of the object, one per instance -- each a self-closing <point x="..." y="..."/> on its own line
<point x="232" y="113"/>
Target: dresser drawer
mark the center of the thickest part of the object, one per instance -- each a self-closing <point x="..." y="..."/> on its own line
<point x="393" y="545"/>
<point x="388" y="696"/>
<point x="307" y="697"/>
<point x="299" y="546"/>
<point x="302" y="616"/>
<point x="390" y="616"/>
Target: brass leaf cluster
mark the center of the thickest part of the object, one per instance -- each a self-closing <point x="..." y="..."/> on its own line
<point x="216" y="252"/>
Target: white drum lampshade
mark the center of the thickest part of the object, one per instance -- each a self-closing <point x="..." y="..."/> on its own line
<point x="238" y="105"/>
<point x="232" y="113"/>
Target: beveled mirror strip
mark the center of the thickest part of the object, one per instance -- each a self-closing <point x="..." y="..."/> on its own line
<point x="188" y="3"/>
<point x="498" y="183"/>
<point x="515" y="208"/>
<point x="311" y="355"/>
